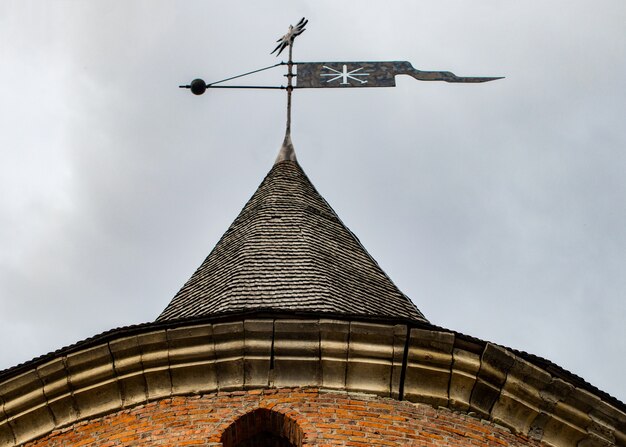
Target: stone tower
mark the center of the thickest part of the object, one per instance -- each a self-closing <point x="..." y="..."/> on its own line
<point x="290" y="334"/>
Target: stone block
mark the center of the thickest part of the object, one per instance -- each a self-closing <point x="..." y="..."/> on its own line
<point x="56" y="387"/>
<point x="93" y="380"/>
<point x="297" y="353"/>
<point x="129" y="368"/>
<point x="33" y="424"/>
<point x="429" y="366"/>
<point x="495" y="363"/>
<point x="26" y="408"/>
<point x="192" y="359"/>
<point x="370" y="358"/>
<point x="465" y="366"/>
<point x="154" y="359"/>
<point x="21" y="393"/>
<point x="334" y="353"/>
<point x="520" y="401"/>
<point x="229" y="351"/>
<point x="558" y="432"/>
<point x="258" y="342"/>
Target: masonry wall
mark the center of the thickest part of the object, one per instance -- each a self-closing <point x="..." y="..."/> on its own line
<point x="324" y="418"/>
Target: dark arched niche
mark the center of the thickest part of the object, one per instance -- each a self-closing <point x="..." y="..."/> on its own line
<point x="263" y="428"/>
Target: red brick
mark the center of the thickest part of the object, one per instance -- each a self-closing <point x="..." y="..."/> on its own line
<point x="324" y="419"/>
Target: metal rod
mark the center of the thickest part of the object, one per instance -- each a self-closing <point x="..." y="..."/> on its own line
<point x="289" y="87"/>
<point x="245" y="74"/>
<point x="264" y="87"/>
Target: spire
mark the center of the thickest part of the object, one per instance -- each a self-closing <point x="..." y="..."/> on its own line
<point x="287" y="152"/>
<point x="289" y="251"/>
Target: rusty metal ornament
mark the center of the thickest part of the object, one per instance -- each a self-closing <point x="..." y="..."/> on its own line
<point x="369" y="74"/>
<point x="287" y="39"/>
<point x="330" y="75"/>
<point x="335" y="74"/>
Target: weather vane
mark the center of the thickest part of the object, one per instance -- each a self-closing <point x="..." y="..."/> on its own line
<point x="333" y="74"/>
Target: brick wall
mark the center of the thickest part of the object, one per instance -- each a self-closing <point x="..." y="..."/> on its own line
<point x="311" y="417"/>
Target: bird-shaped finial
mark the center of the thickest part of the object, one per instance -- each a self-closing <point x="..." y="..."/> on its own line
<point x="288" y="38"/>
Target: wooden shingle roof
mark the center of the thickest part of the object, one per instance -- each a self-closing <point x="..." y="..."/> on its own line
<point x="288" y="251"/>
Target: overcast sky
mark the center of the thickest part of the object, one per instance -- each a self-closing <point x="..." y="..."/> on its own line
<point x="498" y="208"/>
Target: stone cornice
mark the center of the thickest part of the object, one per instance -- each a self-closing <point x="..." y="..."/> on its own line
<point x="417" y="364"/>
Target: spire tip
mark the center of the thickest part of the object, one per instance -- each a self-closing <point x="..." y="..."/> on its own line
<point x="287" y="152"/>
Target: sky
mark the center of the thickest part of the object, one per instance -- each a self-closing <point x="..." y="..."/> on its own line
<point x="498" y="208"/>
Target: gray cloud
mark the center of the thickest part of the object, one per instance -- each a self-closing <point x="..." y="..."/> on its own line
<point x="498" y="208"/>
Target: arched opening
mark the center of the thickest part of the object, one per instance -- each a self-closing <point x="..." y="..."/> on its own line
<point x="263" y="428"/>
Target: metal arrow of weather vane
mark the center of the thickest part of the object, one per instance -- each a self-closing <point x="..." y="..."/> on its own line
<point x="334" y="74"/>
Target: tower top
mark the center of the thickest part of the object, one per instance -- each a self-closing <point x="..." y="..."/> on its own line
<point x="289" y="251"/>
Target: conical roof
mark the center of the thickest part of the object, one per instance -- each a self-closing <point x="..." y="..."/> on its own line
<point x="288" y="251"/>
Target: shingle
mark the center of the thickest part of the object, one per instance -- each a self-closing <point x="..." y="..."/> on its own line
<point x="288" y="250"/>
